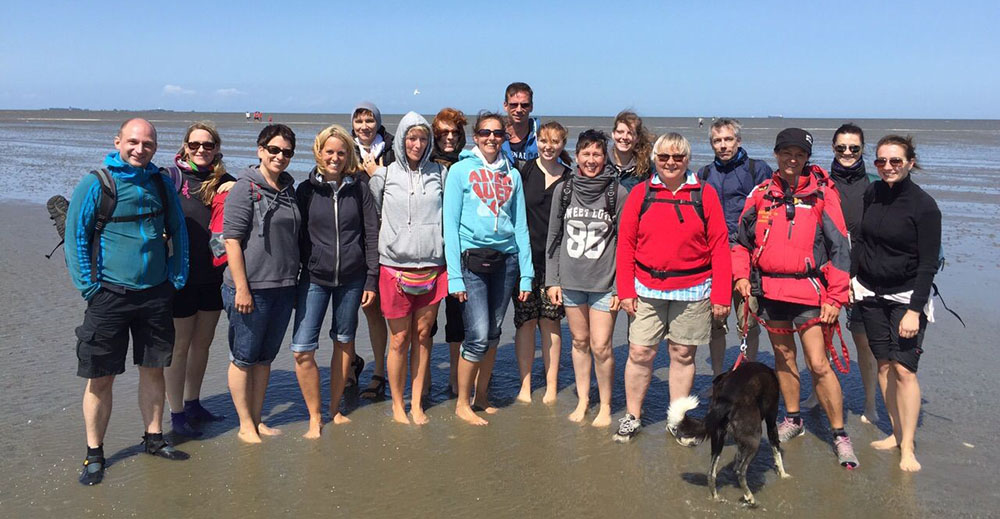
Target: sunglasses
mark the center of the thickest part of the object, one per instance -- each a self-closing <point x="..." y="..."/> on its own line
<point x="446" y="133"/>
<point x="274" y="150"/>
<point x="526" y="106"/>
<point x="665" y="157"/>
<point x="894" y="162"/>
<point x="486" y="133"/>
<point x="208" y="146"/>
<point x="840" y="148"/>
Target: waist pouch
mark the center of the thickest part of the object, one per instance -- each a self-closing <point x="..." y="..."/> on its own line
<point x="415" y="282"/>
<point x="483" y="261"/>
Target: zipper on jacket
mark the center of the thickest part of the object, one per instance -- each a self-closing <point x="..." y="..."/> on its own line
<point x="336" y="234"/>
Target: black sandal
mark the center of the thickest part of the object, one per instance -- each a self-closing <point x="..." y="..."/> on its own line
<point x="359" y="365"/>
<point x="155" y="445"/>
<point x="93" y="470"/>
<point x="376" y="392"/>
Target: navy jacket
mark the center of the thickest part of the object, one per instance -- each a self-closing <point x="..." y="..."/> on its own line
<point x="733" y="182"/>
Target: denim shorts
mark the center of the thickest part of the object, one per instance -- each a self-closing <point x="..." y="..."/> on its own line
<point x="255" y="338"/>
<point x="312" y="299"/>
<point x="597" y="300"/>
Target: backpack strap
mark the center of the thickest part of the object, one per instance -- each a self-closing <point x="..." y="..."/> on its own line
<point x="703" y="172"/>
<point x="611" y="203"/>
<point x="161" y="190"/>
<point x="106" y="203"/>
<point x="565" y="194"/>
<point x="696" y="201"/>
<point x="752" y="167"/>
<point x="256" y="197"/>
<point x="175" y="176"/>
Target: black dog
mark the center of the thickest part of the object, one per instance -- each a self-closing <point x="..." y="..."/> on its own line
<point x="740" y="400"/>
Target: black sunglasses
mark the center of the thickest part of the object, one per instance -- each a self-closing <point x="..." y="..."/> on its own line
<point x="483" y="132"/>
<point x="526" y="106"/>
<point x="665" y="157"/>
<point x="894" y="162"/>
<point x="841" y="148"/>
<point x="208" y="146"/>
<point x="274" y="150"/>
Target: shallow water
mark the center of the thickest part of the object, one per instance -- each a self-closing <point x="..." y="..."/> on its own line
<point x="530" y="460"/>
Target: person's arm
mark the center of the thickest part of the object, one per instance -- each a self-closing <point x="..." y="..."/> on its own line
<point x="521" y="236"/>
<point x="376" y="185"/>
<point x="718" y="248"/>
<point x="746" y="242"/>
<point x="371" y="228"/>
<point x="858" y="247"/>
<point x="928" y="221"/>
<point x="452" y="217"/>
<point x="837" y="270"/>
<point x="628" y="235"/>
<point x="555" y="222"/>
<point x="236" y="227"/>
<point x="179" y="260"/>
<point x="80" y="220"/>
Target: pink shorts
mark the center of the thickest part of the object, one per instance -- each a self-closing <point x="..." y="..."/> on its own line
<point x="397" y="304"/>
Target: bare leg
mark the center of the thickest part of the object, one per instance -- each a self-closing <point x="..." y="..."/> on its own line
<point x="908" y="402"/>
<point x="240" y="388"/>
<point x="261" y="374"/>
<point x="482" y="398"/>
<point x="717" y="349"/>
<point x="753" y="343"/>
<point x="524" y="350"/>
<point x="682" y="369"/>
<point x="827" y="385"/>
<point x="151" y="388"/>
<point x="378" y="333"/>
<point x="97" y="400"/>
<point x="579" y="327"/>
<point x="889" y="387"/>
<point x="602" y="325"/>
<point x="467" y="372"/>
<point x="785" y="366"/>
<point x="453" y="350"/>
<point x="420" y="359"/>
<point x="638" y="374"/>
<point x="551" y="347"/>
<point x="399" y="345"/>
<point x="307" y="374"/>
<point x="176" y="372"/>
<point x="869" y="377"/>
<point x="197" y="363"/>
<point x="340" y="369"/>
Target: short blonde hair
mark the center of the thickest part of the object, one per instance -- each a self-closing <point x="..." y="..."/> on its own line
<point x="335" y="131"/>
<point x="671" y="140"/>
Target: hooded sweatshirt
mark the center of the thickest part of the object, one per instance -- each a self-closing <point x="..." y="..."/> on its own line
<point x="268" y="231"/>
<point x="586" y="257"/>
<point x="131" y="254"/>
<point x="410" y="204"/>
<point x="484" y="208"/>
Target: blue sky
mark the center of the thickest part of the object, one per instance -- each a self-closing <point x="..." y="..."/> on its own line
<point x="916" y="59"/>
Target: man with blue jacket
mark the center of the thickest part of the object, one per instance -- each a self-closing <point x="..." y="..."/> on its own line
<point x="521" y="144"/>
<point x="127" y="252"/>
<point x="733" y="175"/>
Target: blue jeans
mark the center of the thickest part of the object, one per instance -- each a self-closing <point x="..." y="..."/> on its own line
<point x="255" y="338"/>
<point x="310" y="309"/>
<point x="600" y="301"/>
<point x="484" y="310"/>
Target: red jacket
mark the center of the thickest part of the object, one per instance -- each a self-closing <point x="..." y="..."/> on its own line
<point x="674" y="242"/>
<point x="805" y="259"/>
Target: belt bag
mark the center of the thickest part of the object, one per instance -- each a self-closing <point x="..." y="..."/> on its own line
<point x="415" y="282"/>
<point x="483" y="261"/>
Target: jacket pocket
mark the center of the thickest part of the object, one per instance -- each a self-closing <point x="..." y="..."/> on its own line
<point x="321" y="262"/>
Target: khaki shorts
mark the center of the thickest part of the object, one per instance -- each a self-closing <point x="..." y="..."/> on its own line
<point x="682" y="322"/>
<point x="738" y="305"/>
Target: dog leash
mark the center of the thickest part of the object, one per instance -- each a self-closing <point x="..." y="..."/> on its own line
<point x="828" y="330"/>
<point x="743" y="336"/>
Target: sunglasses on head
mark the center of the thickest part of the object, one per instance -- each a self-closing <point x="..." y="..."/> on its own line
<point x="208" y="146"/>
<point x="894" y="162"/>
<point x="665" y="157"/>
<point x="519" y="105"/>
<point x="841" y="148"/>
<point x="483" y="132"/>
<point x="274" y="150"/>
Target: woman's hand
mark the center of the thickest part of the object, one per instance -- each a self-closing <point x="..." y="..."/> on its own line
<point x="720" y="312"/>
<point x="243" y="301"/>
<point x="743" y="287"/>
<point x="367" y="298"/>
<point x="555" y="295"/>
<point x="628" y="305"/>
<point x="460" y="296"/>
<point x="370" y="165"/>
<point x="225" y="186"/>
<point x="909" y="325"/>
<point x="828" y="313"/>
<point x="615" y="305"/>
<point x="523" y="295"/>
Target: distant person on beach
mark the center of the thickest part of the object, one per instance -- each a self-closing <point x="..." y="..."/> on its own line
<point x="895" y="262"/>
<point x="248" y="116"/>
<point x="261" y="232"/>
<point x="540" y="178"/>
<point x="338" y="246"/>
<point x="580" y="267"/>
<point x="488" y="253"/>
<point x="123" y="267"/>
<point x="522" y="129"/>
<point x="449" y="141"/>
<point x="733" y="175"/>
<point x="373" y="145"/>
<point x="631" y="148"/>
<point x="674" y="274"/>
<point x="792" y="252"/>
<point x="409" y="194"/>
<point x="201" y="175"/>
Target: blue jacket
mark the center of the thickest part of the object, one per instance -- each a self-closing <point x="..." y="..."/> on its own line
<point x="733" y="182"/>
<point x="530" y="150"/>
<point x="132" y="254"/>
<point x="484" y="208"/>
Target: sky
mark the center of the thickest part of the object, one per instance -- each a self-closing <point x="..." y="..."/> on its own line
<point x="915" y="59"/>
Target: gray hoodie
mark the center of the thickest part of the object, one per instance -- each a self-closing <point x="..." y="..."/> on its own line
<point x="409" y="203"/>
<point x="585" y="260"/>
<point x="268" y="230"/>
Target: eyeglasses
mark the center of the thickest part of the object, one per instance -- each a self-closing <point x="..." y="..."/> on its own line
<point x="665" y="157"/>
<point x="526" y="106"/>
<point x="894" y="162"/>
<point x="483" y="132"/>
<point x="208" y="146"/>
<point x="841" y="148"/>
<point x="274" y="150"/>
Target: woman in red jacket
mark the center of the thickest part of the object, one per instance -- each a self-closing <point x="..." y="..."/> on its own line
<point x="674" y="273"/>
<point x="792" y="241"/>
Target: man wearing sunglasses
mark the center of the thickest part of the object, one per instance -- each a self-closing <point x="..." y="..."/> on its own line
<point x="128" y="276"/>
<point x="522" y="129"/>
<point x="733" y="175"/>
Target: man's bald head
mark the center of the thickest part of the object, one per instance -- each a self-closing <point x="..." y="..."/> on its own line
<point x="136" y="142"/>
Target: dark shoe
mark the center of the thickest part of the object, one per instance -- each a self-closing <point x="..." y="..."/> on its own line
<point x="195" y="412"/>
<point x="181" y="427"/>
<point x="359" y="365"/>
<point x="93" y="470"/>
<point x="376" y="392"/>
<point x="157" y="446"/>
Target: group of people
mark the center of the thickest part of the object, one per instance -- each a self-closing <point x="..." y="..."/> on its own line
<point x="393" y="224"/>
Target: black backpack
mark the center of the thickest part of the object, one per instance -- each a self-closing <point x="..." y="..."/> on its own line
<point x="566" y="196"/>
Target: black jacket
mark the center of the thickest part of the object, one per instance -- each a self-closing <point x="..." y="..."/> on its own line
<point x="339" y="237"/>
<point x="851" y="183"/>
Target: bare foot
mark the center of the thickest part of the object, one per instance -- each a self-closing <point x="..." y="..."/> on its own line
<point x="340" y="419"/>
<point x="870" y="416"/>
<point x="887" y="443"/>
<point x="908" y="463"/>
<point x="603" y="417"/>
<point x="486" y="408"/>
<point x="399" y="415"/>
<point x="265" y="430"/>
<point x="248" y="436"/>
<point x="466" y="413"/>
<point x="524" y="396"/>
<point x="578" y="413"/>
<point x="549" y="397"/>
<point x="315" y="429"/>
<point x="419" y="417"/>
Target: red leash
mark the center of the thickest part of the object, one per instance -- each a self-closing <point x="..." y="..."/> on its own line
<point x="828" y="331"/>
